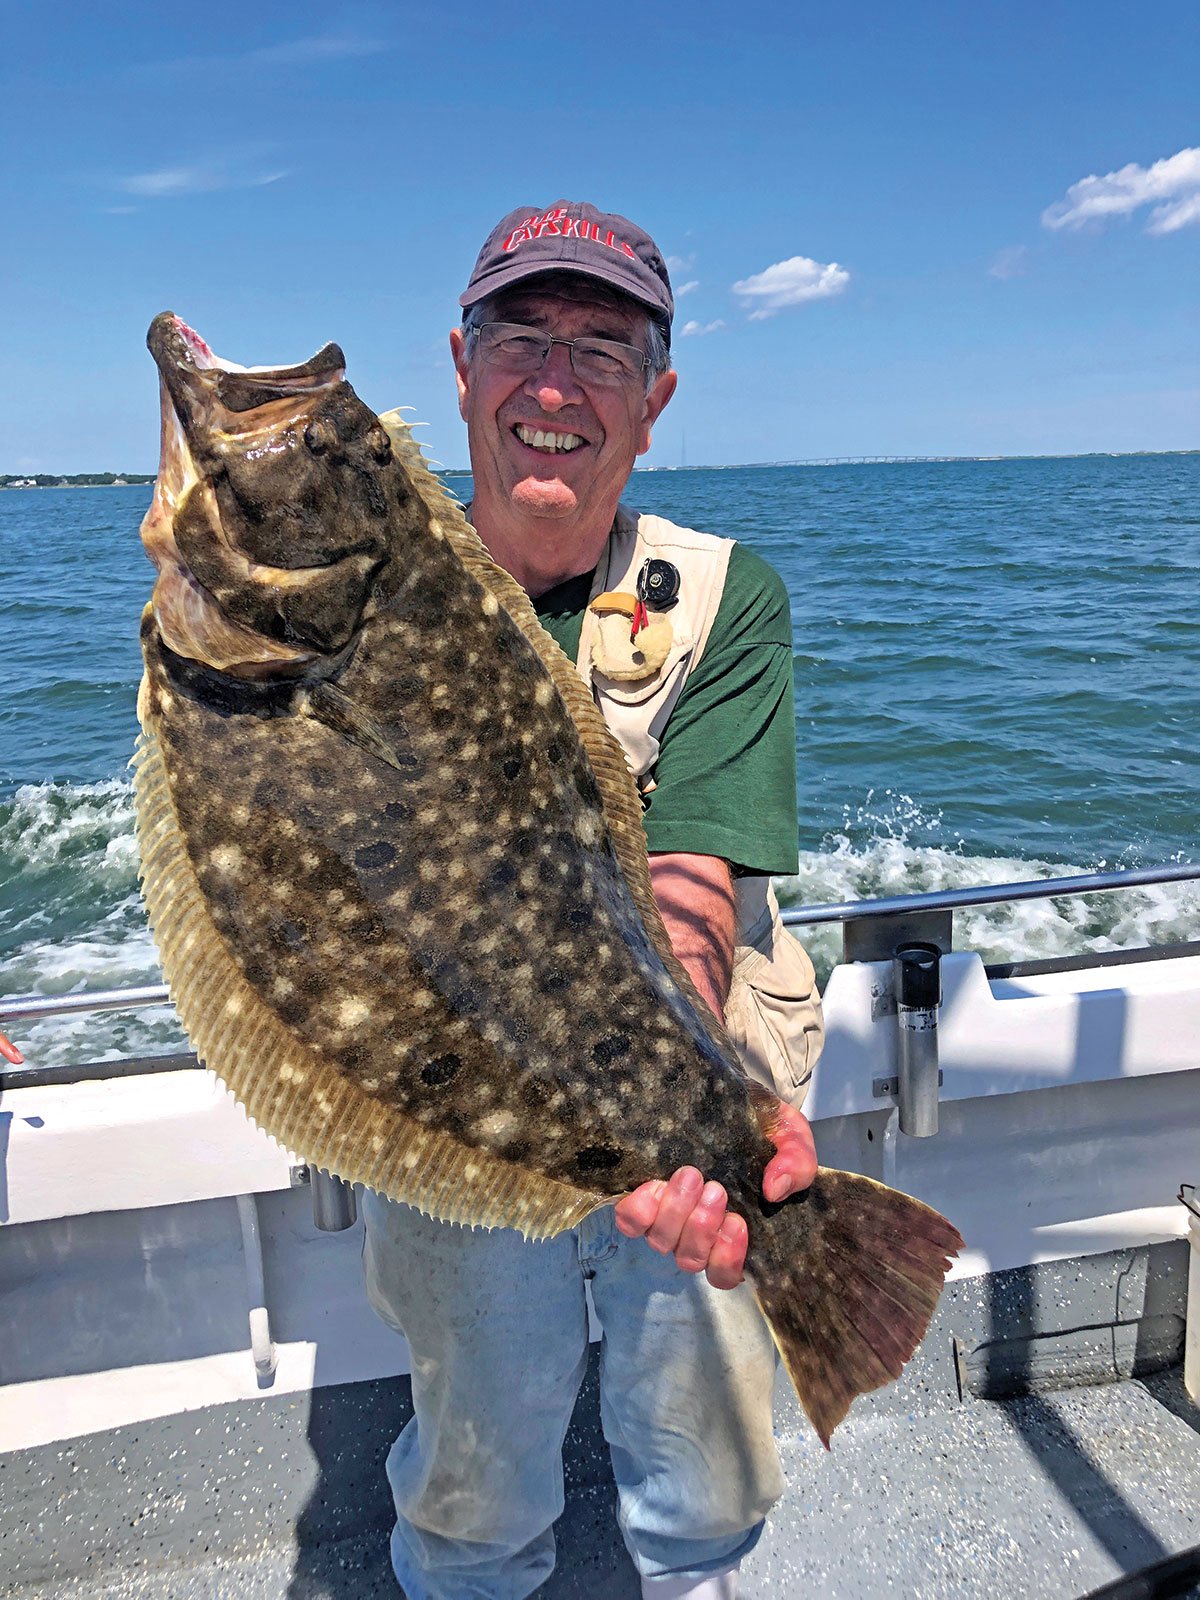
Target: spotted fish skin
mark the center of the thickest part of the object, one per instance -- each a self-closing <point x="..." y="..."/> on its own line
<point x="397" y="872"/>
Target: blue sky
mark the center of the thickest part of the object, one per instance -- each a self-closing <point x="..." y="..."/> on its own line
<point x="956" y="228"/>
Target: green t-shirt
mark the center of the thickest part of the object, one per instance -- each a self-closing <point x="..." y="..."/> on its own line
<point x="726" y="776"/>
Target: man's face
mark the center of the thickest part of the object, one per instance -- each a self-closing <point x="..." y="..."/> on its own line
<point x="604" y="428"/>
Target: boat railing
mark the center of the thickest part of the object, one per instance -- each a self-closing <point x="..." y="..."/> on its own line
<point x="909" y="933"/>
<point x="871" y="929"/>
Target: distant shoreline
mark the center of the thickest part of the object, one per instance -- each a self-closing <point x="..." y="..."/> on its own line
<point x="126" y="480"/>
<point x="75" y="480"/>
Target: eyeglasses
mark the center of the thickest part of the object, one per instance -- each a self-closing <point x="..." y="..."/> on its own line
<point x="517" y="348"/>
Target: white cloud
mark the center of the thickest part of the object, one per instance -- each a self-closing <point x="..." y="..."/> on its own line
<point x="789" y="283"/>
<point x="1011" y="262"/>
<point x="679" y="263"/>
<point x="319" y="47"/>
<point x="1173" y="182"/>
<point x="690" y="328"/>
<point x="309" y="50"/>
<point x="686" y="288"/>
<point x="1170" y="218"/>
<point x="170" y="181"/>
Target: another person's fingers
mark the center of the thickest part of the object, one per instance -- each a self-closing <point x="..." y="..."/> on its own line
<point x="635" y="1212"/>
<point x="794" y="1164"/>
<point x="678" y="1201"/>
<point x="701" y="1229"/>
<point x="727" y="1258"/>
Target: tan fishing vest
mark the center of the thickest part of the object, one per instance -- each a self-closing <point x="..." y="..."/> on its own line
<point x="773" y="1013"/>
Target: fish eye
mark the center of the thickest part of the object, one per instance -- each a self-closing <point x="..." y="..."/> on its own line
<point x="319" y="435"/>
<point x="379" y="444"/>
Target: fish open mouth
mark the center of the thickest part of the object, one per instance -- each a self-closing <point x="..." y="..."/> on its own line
<point x="205" y="398"/>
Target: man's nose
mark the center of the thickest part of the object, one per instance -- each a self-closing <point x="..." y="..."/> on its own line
<point x="555" y="383"/>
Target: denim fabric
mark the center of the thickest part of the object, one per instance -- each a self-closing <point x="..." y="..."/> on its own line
<point x="498" y="1332"/>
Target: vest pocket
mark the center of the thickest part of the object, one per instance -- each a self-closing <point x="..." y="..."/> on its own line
<point x="773" y="1014"/>
<point x="633" y="693"/>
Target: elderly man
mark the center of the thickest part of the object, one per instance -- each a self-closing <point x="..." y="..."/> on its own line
<point x="563" y="367"/>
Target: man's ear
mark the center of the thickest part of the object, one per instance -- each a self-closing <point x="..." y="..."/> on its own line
<point x="661" y="391"/>
<point x="458" y="350"/>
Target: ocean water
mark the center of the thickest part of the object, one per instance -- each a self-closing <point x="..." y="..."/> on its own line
<point x="997" y="674"/>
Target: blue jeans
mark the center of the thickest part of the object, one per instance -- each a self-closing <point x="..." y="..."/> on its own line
<point x="498" y="1332"/>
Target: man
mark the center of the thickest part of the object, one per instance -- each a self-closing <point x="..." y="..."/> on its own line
<point x="562" y="367"/>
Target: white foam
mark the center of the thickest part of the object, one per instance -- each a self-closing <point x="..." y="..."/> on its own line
<point x="876" y="854"/>
<point x="70" y="855"/>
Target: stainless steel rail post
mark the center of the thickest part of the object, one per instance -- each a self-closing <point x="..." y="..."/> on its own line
<point x="918" y="985"/>
<point x="334" y="1203"/>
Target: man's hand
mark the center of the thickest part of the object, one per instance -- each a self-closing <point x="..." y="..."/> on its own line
<point x="687" y="1218"/>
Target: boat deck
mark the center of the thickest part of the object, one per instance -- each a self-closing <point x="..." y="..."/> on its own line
<point x="1047" y="1495"/>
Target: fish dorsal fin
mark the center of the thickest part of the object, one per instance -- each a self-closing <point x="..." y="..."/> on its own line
<point x="309" y="1106"/>
<point x="622" y="803"/>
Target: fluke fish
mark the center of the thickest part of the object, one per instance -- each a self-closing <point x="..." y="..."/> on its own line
<point x="396" y="870"/>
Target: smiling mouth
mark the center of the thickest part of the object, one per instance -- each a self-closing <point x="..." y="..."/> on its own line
<point x="551" y="443"/>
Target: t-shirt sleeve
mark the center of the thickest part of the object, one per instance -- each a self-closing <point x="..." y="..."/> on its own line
<point x="726" y="773"/>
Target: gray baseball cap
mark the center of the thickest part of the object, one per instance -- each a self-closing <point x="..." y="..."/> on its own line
<point x="572" y="236"/>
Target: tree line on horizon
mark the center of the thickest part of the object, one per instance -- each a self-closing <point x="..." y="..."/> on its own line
<point x="74" y="480"/>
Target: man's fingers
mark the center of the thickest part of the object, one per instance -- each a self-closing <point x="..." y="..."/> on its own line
<point x="635" y="1213"/>
<point x="794" y="1164"/>
<point x="727" y="1258"/>
<point x="701" y="1229"/>
<point x="678" y="1201"/>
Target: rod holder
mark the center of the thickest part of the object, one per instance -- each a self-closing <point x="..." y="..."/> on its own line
<point x="334" y="1204"/>
<point x="917" y="973"/>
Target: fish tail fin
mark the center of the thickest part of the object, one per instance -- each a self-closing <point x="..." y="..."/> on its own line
<point x="847" y="1275"/>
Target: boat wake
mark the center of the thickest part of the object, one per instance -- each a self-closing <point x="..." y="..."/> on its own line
<point x="73" y="919"/>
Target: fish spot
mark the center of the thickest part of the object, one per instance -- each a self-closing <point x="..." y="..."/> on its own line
<point x="497" y="1127"/>
<point x="614" y="1047"/>
<point x="544" y="692"/>
<point x="290" y="931"/>
<point x="579" y="916"/>
<point x="674" y="1153"/>
<point x="441" y="1070"/>
<point x="375" y="857"/>
<point x="352" y="1011"/>
<point x="227" y="858"/>
<point x="596" y="1158"/>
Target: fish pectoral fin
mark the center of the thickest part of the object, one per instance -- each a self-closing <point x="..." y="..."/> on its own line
<point x="848" y="1275"/>
<point x="338" y="711"/>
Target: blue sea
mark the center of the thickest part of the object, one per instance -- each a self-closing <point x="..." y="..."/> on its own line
<point x="997" y="677"/>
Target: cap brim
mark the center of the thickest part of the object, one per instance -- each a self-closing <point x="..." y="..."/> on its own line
<point x="517" y="272"/>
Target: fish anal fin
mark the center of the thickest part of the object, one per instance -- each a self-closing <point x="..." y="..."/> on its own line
<point x="848" y="1276"/>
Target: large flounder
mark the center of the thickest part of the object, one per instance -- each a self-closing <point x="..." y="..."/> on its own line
<point x="396" y="870"/>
